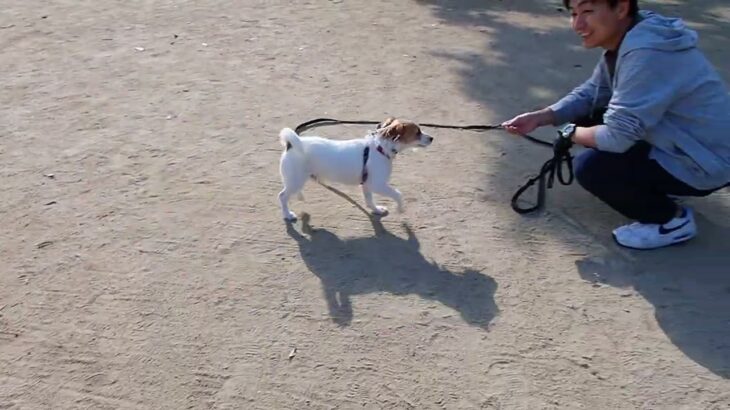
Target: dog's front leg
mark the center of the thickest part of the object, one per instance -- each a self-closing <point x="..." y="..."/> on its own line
<point x="389" y="191"/>
<point x="368" y="194"/>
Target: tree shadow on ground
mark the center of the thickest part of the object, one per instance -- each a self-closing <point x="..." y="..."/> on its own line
<point x="688" y="285"/>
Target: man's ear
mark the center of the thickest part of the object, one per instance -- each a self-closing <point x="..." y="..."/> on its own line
<point x="622" y="8"/>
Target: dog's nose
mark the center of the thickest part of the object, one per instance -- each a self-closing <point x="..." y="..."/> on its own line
<point x="430" y="138"/>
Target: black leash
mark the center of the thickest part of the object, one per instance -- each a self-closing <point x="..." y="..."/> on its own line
<point x="561" y="155"/>
<point x="322" y="122"/>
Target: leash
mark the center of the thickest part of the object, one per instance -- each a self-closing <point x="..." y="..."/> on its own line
<point x="561" y="156"/>
<point x="560" y="161"/>
<point x="323" y="122"/>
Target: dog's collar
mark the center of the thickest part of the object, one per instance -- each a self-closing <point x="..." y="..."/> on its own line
<point x="385" y="154"/>
<point x="393" y="151"/>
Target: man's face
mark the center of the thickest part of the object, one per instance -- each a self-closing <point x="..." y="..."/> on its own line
<point x="597" y="23"/>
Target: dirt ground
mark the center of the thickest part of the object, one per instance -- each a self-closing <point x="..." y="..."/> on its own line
<point x="145" y="264"/>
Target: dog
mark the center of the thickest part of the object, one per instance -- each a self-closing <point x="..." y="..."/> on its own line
<point x="366" y="161"/>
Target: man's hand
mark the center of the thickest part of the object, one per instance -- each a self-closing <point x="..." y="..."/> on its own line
<point x="528" y="122"/>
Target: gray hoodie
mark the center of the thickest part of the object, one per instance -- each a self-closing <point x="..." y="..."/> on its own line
<point x="665" y="92"/>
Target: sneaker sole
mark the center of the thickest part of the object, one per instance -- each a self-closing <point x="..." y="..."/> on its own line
<point x="679" y="241"/>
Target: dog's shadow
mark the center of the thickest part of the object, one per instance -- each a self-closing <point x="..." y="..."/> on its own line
<point x="387" y="263"/>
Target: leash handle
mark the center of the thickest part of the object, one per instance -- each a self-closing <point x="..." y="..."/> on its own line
<point x="568" y="161"/>
<point x="561" y="160"/>
<point x="541" y="190"/>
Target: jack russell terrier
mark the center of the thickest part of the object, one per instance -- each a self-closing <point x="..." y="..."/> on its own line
<point x="365" y="161"/>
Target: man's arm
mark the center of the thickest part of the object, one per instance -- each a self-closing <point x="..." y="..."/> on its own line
<point x="586" y="136"/>
<point x="581" y="100"/>
<point x="643" y="94"/>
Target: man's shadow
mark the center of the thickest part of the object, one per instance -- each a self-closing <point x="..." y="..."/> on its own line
<point x="689" y="286"/>
<point x="387" y="263"/>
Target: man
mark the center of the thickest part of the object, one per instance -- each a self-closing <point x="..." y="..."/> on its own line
<point x="665" y="128"/>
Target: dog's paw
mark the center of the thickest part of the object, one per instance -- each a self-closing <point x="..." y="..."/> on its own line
<point x="401" y="209"/>
<point x="291" y="217"/>
<point x="380" y="210"/>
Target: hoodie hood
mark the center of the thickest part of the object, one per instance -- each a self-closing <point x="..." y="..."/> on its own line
<point x="657" y="32"/>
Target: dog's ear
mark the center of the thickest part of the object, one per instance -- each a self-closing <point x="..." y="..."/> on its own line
<point x="394" y="131"/>
<point x="386" y="122"/>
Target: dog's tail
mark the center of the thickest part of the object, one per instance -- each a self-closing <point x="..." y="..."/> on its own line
<point x="290" y="140"/>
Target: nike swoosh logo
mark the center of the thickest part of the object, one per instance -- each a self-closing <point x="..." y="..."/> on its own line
<point x="665" y="231"/>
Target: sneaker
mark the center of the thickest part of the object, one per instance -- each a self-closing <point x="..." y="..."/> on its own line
<point x="652" y="236"/>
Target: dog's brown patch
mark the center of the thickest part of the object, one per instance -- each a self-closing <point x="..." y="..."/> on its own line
<point x="403" y="131"/>
<point x="386" y="122"/>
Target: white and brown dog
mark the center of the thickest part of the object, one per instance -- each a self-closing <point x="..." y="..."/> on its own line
<point x="365" y="161"/>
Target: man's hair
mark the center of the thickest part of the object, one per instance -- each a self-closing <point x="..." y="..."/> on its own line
<point x="633" y="5"/>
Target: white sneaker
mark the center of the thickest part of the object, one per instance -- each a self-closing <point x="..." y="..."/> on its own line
<point x="652" y="236"/>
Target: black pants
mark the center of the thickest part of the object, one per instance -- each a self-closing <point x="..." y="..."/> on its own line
<point x="631" y="183"/>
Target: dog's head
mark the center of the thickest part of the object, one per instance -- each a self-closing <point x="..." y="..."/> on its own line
<point x="403" y="133"/>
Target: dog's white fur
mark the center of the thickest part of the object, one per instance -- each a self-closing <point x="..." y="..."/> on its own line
<point x="341" y="161"/>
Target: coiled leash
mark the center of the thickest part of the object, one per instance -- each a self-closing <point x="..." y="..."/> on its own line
<point x="561" y="159"/>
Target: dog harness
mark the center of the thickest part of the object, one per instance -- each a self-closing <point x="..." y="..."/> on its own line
<point x="365" y="157"/>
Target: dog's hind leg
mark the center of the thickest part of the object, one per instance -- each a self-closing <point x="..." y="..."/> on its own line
<point x="291" y="188"/>
<point x="284" y="197"/>
<point x="293" y="184"/>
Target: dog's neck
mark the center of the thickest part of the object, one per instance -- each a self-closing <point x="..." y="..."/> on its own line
<point x="385" y="146"/>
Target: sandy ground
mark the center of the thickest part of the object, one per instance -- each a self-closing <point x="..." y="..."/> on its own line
<point x="145" y="264"/>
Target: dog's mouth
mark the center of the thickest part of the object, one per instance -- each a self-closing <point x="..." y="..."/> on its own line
<point x="425" y="140"/>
